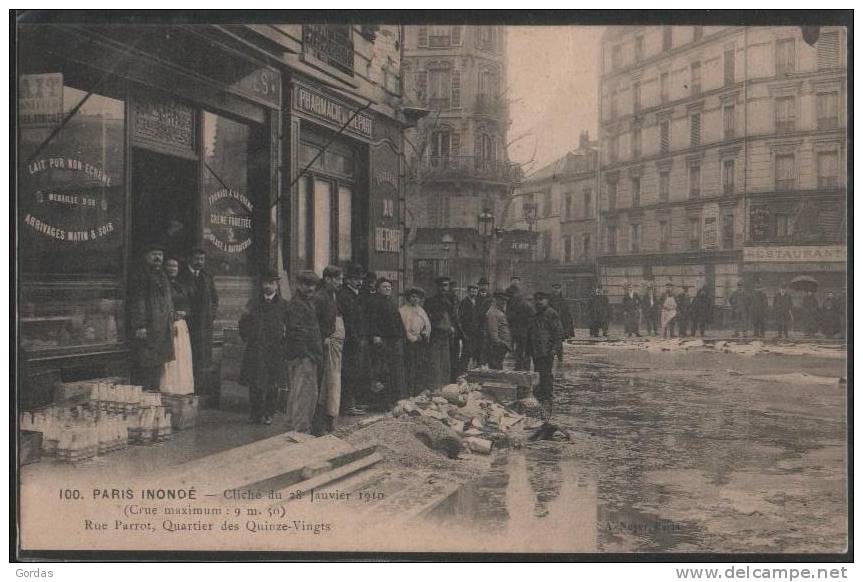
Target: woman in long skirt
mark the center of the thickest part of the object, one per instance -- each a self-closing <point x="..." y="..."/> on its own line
<point x="417" y="331"/>
<point x="177" y="375"/>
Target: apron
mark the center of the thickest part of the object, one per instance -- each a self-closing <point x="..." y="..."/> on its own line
<point x="331" y="382"/>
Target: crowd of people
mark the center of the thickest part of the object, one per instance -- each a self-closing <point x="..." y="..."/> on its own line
<point x="678" y="314"/>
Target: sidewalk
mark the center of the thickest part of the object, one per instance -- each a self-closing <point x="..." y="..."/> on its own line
<point x="616" y="333"/>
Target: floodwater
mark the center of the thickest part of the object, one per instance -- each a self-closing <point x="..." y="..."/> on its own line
<point x="675" y="453"/>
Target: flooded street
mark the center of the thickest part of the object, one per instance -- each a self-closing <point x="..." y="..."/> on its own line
<point x="678" y="452"/>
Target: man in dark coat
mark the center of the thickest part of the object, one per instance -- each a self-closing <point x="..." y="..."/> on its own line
<point x="355" y="355"/>
<point x="810" y="311"/>
<point x="387" y="334"/>
<point x="497" y="331"/>
<point x="262" y="328"/>
<point x="561" y="307"/>
<point x="484" y="302"/>
<point x="470" y="324"/>
<point x="332" y="329"/>
<point x="519" y="313"/>
<point x="739" y="301"/>
<point x="782" y="310"/>
<point x="441" y="315"/>
<point x="544" y="336"/>
<point x="651" y="306"/>
<point x="758" y="312"/>
<point x="203" y="305"/>
<point x="684" y="311"/>
<point x="303" y="354"/>
<point x="831" y="314"/>
<point x="599" y="311"/>
<point x="700" y="311"/>
<point x="151" y="320"/>
<point x="631" y="311"/>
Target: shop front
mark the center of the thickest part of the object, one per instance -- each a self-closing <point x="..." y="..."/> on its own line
<point x="129" y="136"/>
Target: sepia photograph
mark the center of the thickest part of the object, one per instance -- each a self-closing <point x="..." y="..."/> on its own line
<point x="415" y="285"/>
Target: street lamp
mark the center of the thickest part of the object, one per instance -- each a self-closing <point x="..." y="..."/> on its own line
<point x="528" y="210"/>
<point x="485" y="227"/>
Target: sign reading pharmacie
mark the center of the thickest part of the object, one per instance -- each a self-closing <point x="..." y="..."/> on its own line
<point x="332" y="112"/>
<point x="796" y="254"/>
<point x="229" y="221"/>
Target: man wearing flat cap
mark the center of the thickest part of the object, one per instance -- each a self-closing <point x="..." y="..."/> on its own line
<point x="544" y="338"/>
<point x="441" y="312"/>
<point x="151" y="319"/>
<point x="304" y="354"/>
<point x="262" y="328"/>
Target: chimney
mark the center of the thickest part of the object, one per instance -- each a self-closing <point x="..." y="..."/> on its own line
<point x="584" y="140"/>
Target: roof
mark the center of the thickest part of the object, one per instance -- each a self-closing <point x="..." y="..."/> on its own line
<point x="569" y="165"/>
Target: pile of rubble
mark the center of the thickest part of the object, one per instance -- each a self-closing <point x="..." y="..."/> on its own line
<point x="476" y="422"/>
<point x="742" y="347"/>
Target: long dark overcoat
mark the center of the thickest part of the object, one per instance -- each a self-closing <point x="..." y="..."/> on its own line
<point x="151" y="308"/>
<point x="203" y="305"/>
<point x="262" y="327"/>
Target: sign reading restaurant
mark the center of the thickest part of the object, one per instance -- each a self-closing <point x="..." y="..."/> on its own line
<point x="331" y="112"/>
<point x="832" y="254"/>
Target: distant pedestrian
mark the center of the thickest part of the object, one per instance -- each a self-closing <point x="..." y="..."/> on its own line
<point x="332" y="326"/>
<point x="498" y="333"/>
<point x="417" y="332"/>
<point x="831" y="315"/>
<point x="740" y="304"/>
<point x="782" y="311"/>
<point x="684" y="304"/>
<point x="758" y="312"/>
<point x="440" y="311"/>
<point x="484" y="301"/>
<point x="650" y="309"/>
<point x="810" y="310"/>
<point x="355" y="352"/>
<point x="544" y="336"/>
<point x="303" y="354"/>
<point x="561" y="306"/>
<point x="599" y="313"/>
<point x="262" y="328"/>
<point x="700" y="309"/>
<point x="470" y="325"/>
<point x="519" y="313"/>
<point x="151" y="319"/>
<point x="631" y="311"/>
<point x="669" y="312"/>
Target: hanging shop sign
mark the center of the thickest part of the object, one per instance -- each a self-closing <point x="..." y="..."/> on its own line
<point x="229" y="221"/>
<point x="331" y="112"/>
<point x="40" y="100"/>
<point x="163" y="124"/>
<point x="69" y="200"/>
<point x="387" y="240"/>
<point x="796" y="254"/>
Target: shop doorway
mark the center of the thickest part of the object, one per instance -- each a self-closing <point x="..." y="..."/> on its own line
<point x="165" y="202"/>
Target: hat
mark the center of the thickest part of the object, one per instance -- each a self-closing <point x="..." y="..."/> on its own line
<point x="197" y="250"/>
<point x="482" y="281"/>
<point x="307" y="277"/>
<point x="442" y="280"/>
<point x="472" y="286"/>
<point x="740" y="283"/>
<point x="669" y="285"/>
<point x="500" y="293"/>
<point x="355" y="271"/>
<point x="270" y="275"/>
<point x="540" y="295"/>
<point x="153" y="246"/>
<point x="556" y="285"/>
<point x="418" y="291"/>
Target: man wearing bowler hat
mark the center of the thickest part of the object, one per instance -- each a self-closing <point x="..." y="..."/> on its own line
<point x="151" y="319"/>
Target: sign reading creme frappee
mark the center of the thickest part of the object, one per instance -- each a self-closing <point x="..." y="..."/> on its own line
<point x="796" y="254"/>
<point x="229" y="221"/>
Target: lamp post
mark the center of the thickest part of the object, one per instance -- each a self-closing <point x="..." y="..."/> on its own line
<point x="485" y="228"/>
<point x="529" y="212"/>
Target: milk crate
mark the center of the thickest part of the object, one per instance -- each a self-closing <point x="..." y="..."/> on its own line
<point x="183" y="408"/>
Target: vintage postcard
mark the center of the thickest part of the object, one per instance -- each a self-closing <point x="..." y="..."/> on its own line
<point x="549" y="287"/>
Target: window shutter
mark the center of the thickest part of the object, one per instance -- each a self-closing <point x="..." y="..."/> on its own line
<point x="455" y="143"/>
<point x="695" y="129"/>
<point x="664" y="136"/>
<point x="829" y="47"/>
<point x="455" y="33"/>
<point x="456" y="89"/>
<point x="423" y="36"/>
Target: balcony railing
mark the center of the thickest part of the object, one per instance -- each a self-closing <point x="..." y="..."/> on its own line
<point x="468" y="166"/>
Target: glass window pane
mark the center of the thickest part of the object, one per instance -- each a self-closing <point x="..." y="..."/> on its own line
<point x="302" y="222"/>
<point x="322" y="218"/>
<point x="345" y="198"/>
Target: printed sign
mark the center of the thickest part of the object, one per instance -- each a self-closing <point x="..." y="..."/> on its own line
<point x="387" y="240"/>
<point x="40" y="100"/>
<point x="331" y="112"/>
<point x="164" y="122"/>
<point x="832" y="254"/>
<point x="229" y="221"/>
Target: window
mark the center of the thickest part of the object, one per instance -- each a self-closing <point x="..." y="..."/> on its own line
<point x="828" y="110"/>
<point x="546" y="205"/>
<point x="828" y="170"/>
<point x="346" y="195"/>
<point x="568" y="206"/>
<point x="635" y="238"/>
<point x="785" y="61"/>
<point x="421" y="85"/>
<point x="728" y="176"/>
<point x="488" y="87"/>
<point x="585" y="245"/>
<point x="567" y="249"/>
<point x="728" y="60"/>
<point x="783" y="226"/>
<point x="664" y="136"/>
<point x="636" y="143"/>
<point x="322" y="198"/>
<point x="663" y="87"/>
<point x="695" y="78"/>
<point x="441" y="146"/>
<point x="695" y="129"/>
<point x="546" y="245"/>
<point x="455" y="35"/>
<point x="588" y="203"/>
<point x="440" y="36"/>
<point x="784" y="114"/>
<point x="728" y="121"/>
<point x="486" y="38"/>
<point x="664" y="185"/>
<point x="785" y="172"/>
<point x="664" y="234"/>
<point x="695" y="180"/>
<point x="616" y="57"/>
<point x="612" y="196"/>
<point x="612" y="148"/>
<point x="456" y="90"/>
<point x="611" y="243"/>
<point x="636" y="97"/>
<point x="486" y="152"/>
<point x="636" y="191"/>
<point x="694" y="232"/>
<point x="423" y="36"/>
<point x="440" y="88"/>
<point x="697" y="33"/>
<point x="614" y="108"/>
<point x="666" y="38"/>
<point x="829" y="47"/>
<point x="639" y="48"/>
<point x="728" y="230"/>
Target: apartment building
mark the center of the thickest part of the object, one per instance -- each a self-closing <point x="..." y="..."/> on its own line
<point x="723" y="157"/>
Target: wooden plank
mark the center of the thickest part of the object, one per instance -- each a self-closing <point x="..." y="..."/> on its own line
<point x="299" y="472"/>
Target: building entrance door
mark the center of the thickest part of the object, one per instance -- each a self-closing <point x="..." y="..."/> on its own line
<point x="165" y="202"/>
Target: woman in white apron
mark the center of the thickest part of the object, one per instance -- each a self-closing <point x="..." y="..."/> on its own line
<point x="669" y="312"/>
<point x="177" y="375"/>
